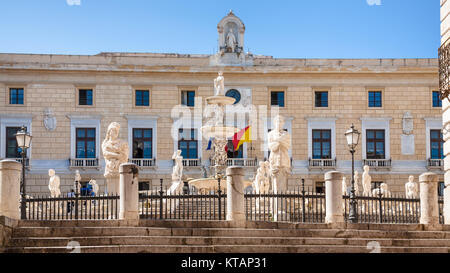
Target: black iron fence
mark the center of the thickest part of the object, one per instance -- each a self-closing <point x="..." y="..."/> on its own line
<point x="72" y="207"/>
<point x="392" y="208"/>
<point x="161" y="204"/>
<point x="441" y="209"/>
<point x="305" y="206"/>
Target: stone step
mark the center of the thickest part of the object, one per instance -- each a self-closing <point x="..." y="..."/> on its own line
<point x="222" y="232"/>
<point x="197" y="240"/>
<point x="227" y="249"/>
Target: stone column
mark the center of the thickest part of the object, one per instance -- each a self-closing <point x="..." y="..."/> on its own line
<point x="129" y="195"/>
<point x="429" y="208"/>
<point x="445" y="40"/>
<point x="333" y="198"/>
<point x="235" y="195"/>
<point x="113" y="185"/>
<point x="10" y="175"/>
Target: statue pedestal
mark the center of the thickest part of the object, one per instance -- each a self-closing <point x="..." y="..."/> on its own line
<point x="279" y="187"/>
<point x="113" y="185"/>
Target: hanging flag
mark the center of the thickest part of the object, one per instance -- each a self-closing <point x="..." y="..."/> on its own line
<point x="240" y="137"/>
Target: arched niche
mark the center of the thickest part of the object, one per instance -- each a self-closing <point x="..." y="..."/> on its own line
<point x="233" y="23"/>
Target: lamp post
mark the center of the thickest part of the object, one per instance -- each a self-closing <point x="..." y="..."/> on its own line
<point x="23" y="142"/>
<point x="352" y="136"/>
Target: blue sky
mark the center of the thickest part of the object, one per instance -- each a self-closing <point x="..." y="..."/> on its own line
<point x="283" y="29"/>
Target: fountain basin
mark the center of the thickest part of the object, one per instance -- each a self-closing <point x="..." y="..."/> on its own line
<point x="220" y="100"/>
<point x="205" y="185"/>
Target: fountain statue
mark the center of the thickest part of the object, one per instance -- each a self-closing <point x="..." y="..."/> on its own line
<point x="366" y="181"/>
<point x="177" y="173"/>
<point x="54" y="183"/>
<point x="279" y="142"/>
<point x="411" y="188"/>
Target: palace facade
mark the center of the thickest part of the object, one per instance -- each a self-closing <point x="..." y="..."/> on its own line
<point x="68" y="101"/>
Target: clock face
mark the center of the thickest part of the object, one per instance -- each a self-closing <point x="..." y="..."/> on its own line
<point x="233" y="93"/>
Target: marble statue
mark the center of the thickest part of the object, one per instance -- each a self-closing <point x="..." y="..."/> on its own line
<point x="344" y="186"/>
<point x="115" y="150"/>
<point x="77" y="184"/>
<point x="261" y="184"/>
<point x="94" y="185"/>
<point x="384" y="190"/>
<point x="279" y="142"/>
<point x="49" y="119"/>
<point x="366" y="181"/>
<point x="231" y="41"/>
<point x="54" y="183"/>
<point x="411" y="188"/>
<point x="356" y="178"/>
<point x="177" y="171"/>
<point x="219" y="85"/>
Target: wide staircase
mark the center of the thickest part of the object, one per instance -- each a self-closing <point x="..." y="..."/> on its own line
<point x="152" y="236"/>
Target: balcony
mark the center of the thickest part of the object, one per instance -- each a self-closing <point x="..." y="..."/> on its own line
<point x="84" y="163"/>
<point x="143" y="163"/>
<point x="195" y="162"/>
<point x="435" y="164"/>
<point x="378" y="164"/>
<point x="239" y="162"/>
<point x="322" y="164"/>
<point x="444" y="70"/>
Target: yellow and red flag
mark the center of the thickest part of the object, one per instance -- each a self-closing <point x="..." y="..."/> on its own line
<point x="240" y="137"/>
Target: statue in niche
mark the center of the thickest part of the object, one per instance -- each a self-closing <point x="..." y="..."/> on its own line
<point x="231" y="41"/>
<point x="366" y="181"/>
<point x="279" y="142"/>
<point x="408" y="123"/>
<point x="219" y="85"/>
<point x="115" y="151"/>
<point x="54" y="183"/>
<point x="411" y="188"/>
<point x="49" y="119"/>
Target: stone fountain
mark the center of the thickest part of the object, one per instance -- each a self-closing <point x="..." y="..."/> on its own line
<point x="215" y="129"/>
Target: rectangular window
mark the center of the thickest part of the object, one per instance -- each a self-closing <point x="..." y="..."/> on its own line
<point x="375" y="144"/>
<point x="142" y="97"/>
<point x="321" y="141"/>
<point x="436" y="99"/>
<point x="85" y="143"/>
<point x="321" y="98"/>
<point x="441" y="187"/>
<point x="187" y="143"/>
<point x="277" y="98"/>
<point x="231" y="153"/>
<point x="85" y="97"/>
<point x="188" y="98"/>
<point x="142" y="143"/>
<point x="144" y="186"/>
<point x="436" y="144"/>
<point x="16" y="95"/>
<point x="320" y="187"/>
<point x="12" y="150"/>
<point x="375" y="99"/>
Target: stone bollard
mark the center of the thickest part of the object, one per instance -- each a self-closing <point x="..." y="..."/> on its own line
<point x="129" y="192"/>
<point x="10" y="173"/>
<point x="333" y="198"/>
<point x="235" y="196"/>
<point x="429" y="208"/>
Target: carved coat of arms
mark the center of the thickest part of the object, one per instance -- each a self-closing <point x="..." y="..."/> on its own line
<point x="49" y="120"/>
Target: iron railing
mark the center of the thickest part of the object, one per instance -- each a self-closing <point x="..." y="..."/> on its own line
<point x="437" y="164"/>
<point x="75" y="207"/>
<point x="322" y="163"/>
<point x="441" y="209"/>
<point x="376" y="208"/>
<point x="160" y="204"/>
<point x="192" y="162"/>
<point x="298" y="205"/>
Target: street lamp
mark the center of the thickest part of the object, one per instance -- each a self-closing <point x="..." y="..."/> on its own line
<point x="352" y="136"/>
<point x="23" y="142"/>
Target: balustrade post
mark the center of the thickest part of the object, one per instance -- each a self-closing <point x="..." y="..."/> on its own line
<point x="429" y="207"/>
<point x="10" y="171"/>
<point x="333" y="198"/>
<point x="235" y="196"/>
<point x="129" y="192"/>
